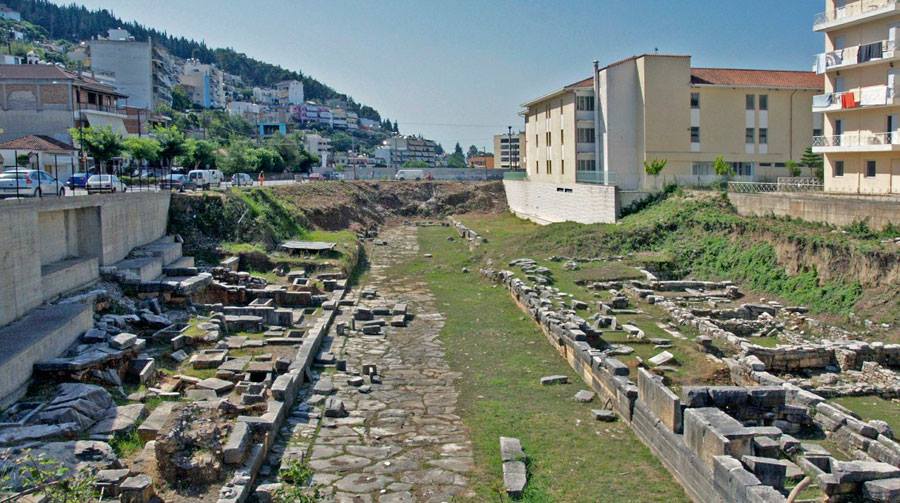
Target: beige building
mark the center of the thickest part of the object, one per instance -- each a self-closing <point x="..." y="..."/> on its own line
<point x="601" y="130"/>
<point x="508" y="151"/>
<point x="861" y="140"/>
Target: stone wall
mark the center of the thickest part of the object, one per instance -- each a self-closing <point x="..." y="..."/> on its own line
<point x="546" y="203"/>
<point x="45" y="238"/>
<point x="834" y="209"/>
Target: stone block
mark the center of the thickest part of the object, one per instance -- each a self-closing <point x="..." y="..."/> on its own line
<point x="137" y="489"/>
<point x="154" y="422"/>
<point x="883" y="490"/>
<point x="766" y="447"/>
<point x="514" y="478"/>
<point x="554" y="379"/>
<point x="511" y="449"/>
<point x="123" y="340"/>
<point x="862" y="471"/>
<point x="236" y="445"/>
<point x="605" y="415"/>
<point x="710" y="432"/>
<point x="769" y="471"/>
<point x="220" y="386"/>
<point x="661" y="401"/>
<point x="731" y="478"/>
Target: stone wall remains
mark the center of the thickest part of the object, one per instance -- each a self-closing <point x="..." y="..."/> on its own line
<point x="834" y="209"/>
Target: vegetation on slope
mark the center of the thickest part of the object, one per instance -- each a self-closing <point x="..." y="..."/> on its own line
<point x="696" y="234"/>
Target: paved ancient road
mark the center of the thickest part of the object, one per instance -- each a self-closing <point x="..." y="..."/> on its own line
<point x="402" y="441"/>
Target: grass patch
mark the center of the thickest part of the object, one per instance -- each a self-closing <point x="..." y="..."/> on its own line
<point x="873" y="407"/>
<point x="571" y="455"/>
<point x="126" y="444"/>
<point x="608" y="271"/>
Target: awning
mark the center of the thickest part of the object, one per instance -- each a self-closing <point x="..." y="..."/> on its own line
<point x="102" y="119"/>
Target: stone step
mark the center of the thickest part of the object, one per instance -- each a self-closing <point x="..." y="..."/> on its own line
<point x="140" y="269"/>
<point x="183" y="266"/>
<point x="165" y="248"/>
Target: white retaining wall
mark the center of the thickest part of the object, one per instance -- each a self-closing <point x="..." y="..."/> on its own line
<point x="546" y="203"/>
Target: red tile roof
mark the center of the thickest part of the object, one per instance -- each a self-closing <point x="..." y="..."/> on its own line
<point x="37" y="142"/>
<point x="734" y="77"/>
<point x="53" y="72"/>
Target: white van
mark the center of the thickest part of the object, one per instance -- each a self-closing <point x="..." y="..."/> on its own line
<point x="409" y="174"/>
<point x="206" y="178"/>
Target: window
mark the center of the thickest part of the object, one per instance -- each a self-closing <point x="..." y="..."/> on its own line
<point x="584" y="103"/>
<point x="547" y="113"/>
<point x="750" y="136"/>
<point x="871" y="169"/>
<point x="695" y="100"/>
<point x="838" y="168"/>
<point x="562" y="136"/>
<point x="743" y="168"/>
<point x="548" y="138"/>
<point x="549" y="166"/>
<point x="562" y="166"/>
<point x="536" y="142"/>
<point x="695" y="135"/>
<point x="586" y="165"/>
<point x="585" y="135"/>
<point x="763" y="101"/>
<point x="701" y="168"/>
<point x="751" y="102"/>
<point x="817" y="132"/>
<point x="763" y="136"/>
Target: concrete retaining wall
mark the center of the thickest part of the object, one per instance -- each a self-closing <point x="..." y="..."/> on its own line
<point x="834" y="209"/>
<point x="546" y="203"/>
<point x="52" y="245"/>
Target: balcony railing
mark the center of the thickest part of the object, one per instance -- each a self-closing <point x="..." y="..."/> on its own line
<point x="781" y="186"/>
<point x="853" y="55"/>
<point x="595" y="177"/>
<point x="856" y="140"/>
<point x="870" y="96"/>
<point x="857" y="8"/>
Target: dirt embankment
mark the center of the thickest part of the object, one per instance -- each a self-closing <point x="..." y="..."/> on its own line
<point x="270" y="215"/>
<point x="360" y="204"/>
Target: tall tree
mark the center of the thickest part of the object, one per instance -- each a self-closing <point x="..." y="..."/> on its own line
<point x="142" y="148"/>
<point x="171" y="143"/>
<point x="199" y="153"/>
<point x="100" y="143"/>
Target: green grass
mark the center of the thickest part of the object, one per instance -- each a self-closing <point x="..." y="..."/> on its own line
<point x="502" y="356"/>
<point x="126" y="444"/>
<point x="873" y="407"/>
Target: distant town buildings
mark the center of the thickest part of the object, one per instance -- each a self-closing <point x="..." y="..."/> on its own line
<point x="141" y="70"/>
<point x="483" y="160"/>
<point x="7" y="13"/>
<point x="204" y="83"/>
<point x="861" y="137"/>
<point x="398" y="150"/>
<point x="290" y="92"/>
<point x="507" y="148"/>
<point x="47" y="100"/>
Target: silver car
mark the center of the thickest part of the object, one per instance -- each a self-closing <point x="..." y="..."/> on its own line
<point x="29" y="183"/>
<point x="105" y="183"/>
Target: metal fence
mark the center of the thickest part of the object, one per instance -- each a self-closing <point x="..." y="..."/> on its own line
<point x="757" y="187"/>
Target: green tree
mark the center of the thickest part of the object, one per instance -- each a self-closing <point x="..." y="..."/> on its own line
<point x="142" y="149"/>
<point x="457" y="159"/>
<point x="654" y="167"/>
<point x="341" y="142"/>
<point x="439" y="149"/>
<point x="814" y="161"/>
<point x="723" y="169"/>
<point x="100" y="143"/>
<point x="793" y="168"/>
<point x="238" y="157"/>
<point x="415" y="164"/>
<point x="267" y="159"/>
<point x="171" y="143"/>
<point x="473" y="151"/>
<point x="180" y="98"/>
<point x="199" y="153"/>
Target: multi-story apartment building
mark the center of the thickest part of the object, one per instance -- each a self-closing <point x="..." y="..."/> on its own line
<point x="290" y="92"/>
<point x="204" y="83"/>
<point x="338" y="118"/>
<point x="318" y="145"/>
<point x="47" y="100"/>
<point x="861" y="103"/>
<point x="484" y="160"/>
<point x="602" y="129"/>
<point x="397" y="150"/>
<point x="507" y="148"/>
<point x="142" y="71"/>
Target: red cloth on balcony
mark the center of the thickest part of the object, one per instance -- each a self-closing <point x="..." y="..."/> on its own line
<point x="848" y="100"/>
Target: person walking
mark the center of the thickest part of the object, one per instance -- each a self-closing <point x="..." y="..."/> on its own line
<point x="262" y="178"/>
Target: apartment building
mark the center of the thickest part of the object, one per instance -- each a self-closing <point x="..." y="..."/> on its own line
<point x="290" y="92"/>
<point x="397" y="150"/>
<point x="483" y="160"/>
<point x="318" y="145"/>
<point x="601" y="130"/>
<point x="861" y="139"/>
<point x="142" y="70"/>
<point x="204" y="83"/>
<point x="507" y="148"/>
<point x="47" y="100"/>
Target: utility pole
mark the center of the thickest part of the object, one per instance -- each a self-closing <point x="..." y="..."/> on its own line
<point x="508" y="148"/>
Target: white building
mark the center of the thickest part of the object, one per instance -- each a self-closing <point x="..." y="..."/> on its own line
<point x="205" y="84"/>
<point x="317" y="144"/>
<point x="290" y="92"/>
<point x="142" y="72"/>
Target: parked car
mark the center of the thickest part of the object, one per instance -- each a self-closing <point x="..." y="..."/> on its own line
<point x="105" y="183"/>
<point x="176" y="182"/>
<point x="316" y="177"/>
<point x="206" y="178"/>
<point x="77" y="180"/>
<point x="30" y="183"/>
<point x="241" y="179"/>
<point x="409" y="174"/>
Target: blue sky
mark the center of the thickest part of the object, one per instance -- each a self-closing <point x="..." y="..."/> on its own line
<point x="458" y="70"/>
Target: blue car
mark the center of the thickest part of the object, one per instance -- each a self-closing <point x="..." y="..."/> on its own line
<point x="78" y="181"/>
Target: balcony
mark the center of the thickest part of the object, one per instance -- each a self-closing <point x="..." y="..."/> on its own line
<point x="856" y="56"/>
<point x="593" y="177"/>
<point x="857" y="142"/>
<point x="854" y="12"/>
<point x="864" y="98"/>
